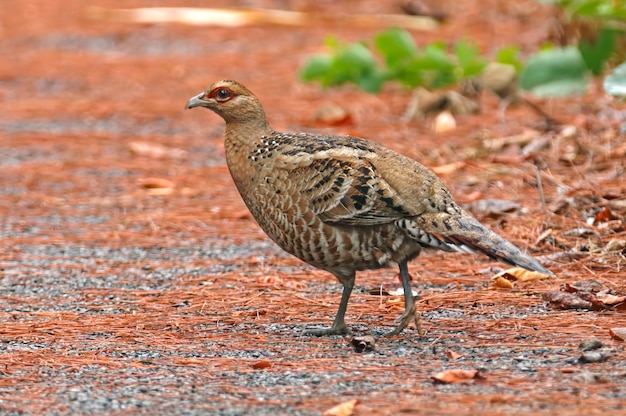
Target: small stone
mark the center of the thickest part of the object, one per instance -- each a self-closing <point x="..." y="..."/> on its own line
<point x="589" y="345"/>
<point x="594" y="357"/>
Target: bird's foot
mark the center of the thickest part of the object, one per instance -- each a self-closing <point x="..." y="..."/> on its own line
<point x="410" y="314"/>
<point x="333" y="330"/>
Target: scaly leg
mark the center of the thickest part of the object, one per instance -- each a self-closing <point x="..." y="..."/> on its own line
<point x="339" y="325"/>
<point x="410" y="311"/>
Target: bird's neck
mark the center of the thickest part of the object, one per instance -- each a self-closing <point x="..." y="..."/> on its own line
<point x="241" y="140"/>
<point x="244" y="135"/>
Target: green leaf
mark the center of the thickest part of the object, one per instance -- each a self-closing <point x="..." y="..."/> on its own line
<point x="316" y="68"/>
<point x="469" y="59"/>
<point x="509" y="55"/>
<point x="436" y="57"/>
<point x="615" y="82"/>
<point x="595" y="54"/>
<point x="356" y="63"/>
<point x="396" y="46"/>
<point x="555" y="72"/>
<point x="355" y="57"/>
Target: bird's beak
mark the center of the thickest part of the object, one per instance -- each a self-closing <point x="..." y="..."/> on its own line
<point x="196" y="101"/>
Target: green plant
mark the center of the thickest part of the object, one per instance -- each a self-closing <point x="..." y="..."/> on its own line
<point x="555" y="72"/>
<point x="597" y="30"/>
<point x="397" y="58"/>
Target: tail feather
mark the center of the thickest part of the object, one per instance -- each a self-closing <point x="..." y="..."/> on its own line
<point x="497" y="248"/>
<point x="466" y="234"/>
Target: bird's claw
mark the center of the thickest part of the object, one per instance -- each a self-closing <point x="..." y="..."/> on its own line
<point x="333" y="330"/>
<point x="409" y="314"/>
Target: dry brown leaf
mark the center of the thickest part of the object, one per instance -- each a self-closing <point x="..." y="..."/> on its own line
<point x="547" y="233"/>
<point x="453" y="355"/>
<point x="157" y="186"/>
<point x="609" y="299"/>
<point x="155" y="183"/>
<point x="604" y="215"/>
<point x="457" y="376"/>
<point x="498" y="143"/>
<point x="587" y="285"/>
<point x="400" y="292"/>
<point x="449" y="168"/>
<point x="618" y="333"/>
<point x="342" y="409"/>
<point x="518" y="274"/>
<point x="260" y="365"/>
<point x="156" y="151"/>
<point x="615" y="245"/>
<point x="333" y="115"/>
<point x="565" y="300"/>
<point x="502" y="282"/>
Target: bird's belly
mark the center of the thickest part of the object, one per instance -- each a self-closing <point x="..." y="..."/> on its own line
<point x="288" y="220"/>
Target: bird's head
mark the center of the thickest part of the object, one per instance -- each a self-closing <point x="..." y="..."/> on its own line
<point x="231" y="101"/>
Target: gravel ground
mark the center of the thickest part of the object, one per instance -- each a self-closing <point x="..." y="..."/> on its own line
<point x="134" y="281"/>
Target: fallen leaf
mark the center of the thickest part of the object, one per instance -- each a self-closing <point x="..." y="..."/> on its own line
<point x="453" y="355"/>
<point x="615" y="245"/>
<point x="604" y="215"/>
<point x="609" y="299"/>
<point x="618" y="333"/>
<point x="364" y="343"/>
<point x="400" y="292"/>
<point x="156" y="151"/>
<point x="502" y="282"/>
<point x="565" y="300"/>
<point x="157" y="186"/>
<point x="547" y="233"/>
<point x="586" y="285"/>
<point x="457" y="376"/>
<point x="342" y="409"/>
<point x="518" y="274"/>
<point x="154" y="183"/>
<point x="449" y="168"/>
<point x="333" y="115"/>
<point x="498" y="143"/>
<point x="259" y="365"/>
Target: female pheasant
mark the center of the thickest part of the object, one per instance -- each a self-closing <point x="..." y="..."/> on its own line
<point x="342" y="203"/>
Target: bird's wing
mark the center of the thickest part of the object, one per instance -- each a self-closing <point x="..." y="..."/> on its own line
<point x="347" y="191"/>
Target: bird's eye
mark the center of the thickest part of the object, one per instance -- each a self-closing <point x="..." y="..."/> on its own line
<point x="222" y="94"/>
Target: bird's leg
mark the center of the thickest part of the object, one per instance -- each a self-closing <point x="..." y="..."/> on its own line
<point x="339" y="326"/>
<point x="410" y="311"/>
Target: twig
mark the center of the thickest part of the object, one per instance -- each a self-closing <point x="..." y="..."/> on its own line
<point x="540" y="187"/>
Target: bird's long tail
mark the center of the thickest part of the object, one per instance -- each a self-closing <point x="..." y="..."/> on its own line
<point x="465" y="234"/>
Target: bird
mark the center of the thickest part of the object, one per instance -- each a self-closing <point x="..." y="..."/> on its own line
<point x="344" y="204"/>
